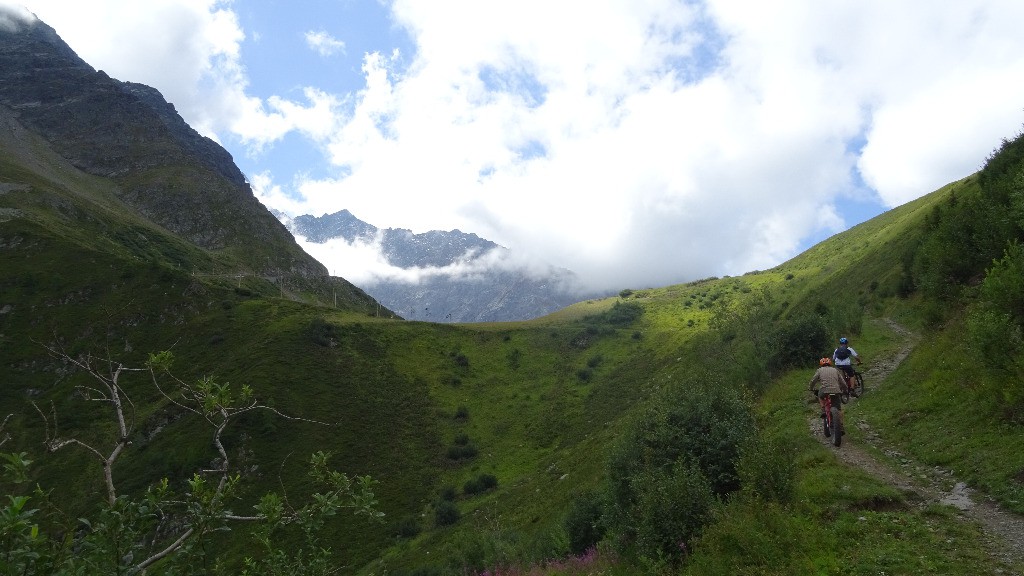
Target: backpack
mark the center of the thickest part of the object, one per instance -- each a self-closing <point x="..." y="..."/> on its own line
<point x="842" y="353"/>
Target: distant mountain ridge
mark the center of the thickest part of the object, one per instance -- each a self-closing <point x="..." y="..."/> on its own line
<point x="464" y="278"/>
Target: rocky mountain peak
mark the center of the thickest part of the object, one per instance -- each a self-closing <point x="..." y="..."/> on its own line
<point x="129" y="133"/>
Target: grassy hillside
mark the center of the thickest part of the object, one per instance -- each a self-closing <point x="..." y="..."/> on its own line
<point x="493" y="444"/>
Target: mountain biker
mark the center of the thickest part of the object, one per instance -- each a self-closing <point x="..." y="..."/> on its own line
<point x="832" y="383"/>
<point x="842" y="357"/>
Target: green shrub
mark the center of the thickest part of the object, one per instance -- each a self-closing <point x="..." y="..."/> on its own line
<point x="321" y="332"/>
<point x="673" y="506"/>
<point x="480" y="484"/>
<point x="622" y="314"/>
<point x="461" y="360"/>
<point x="446" y="513"/>
<point x="408" y="527"/>
<point x="448" y="493"/>
<point x="800" y="340"/>
<point x="680" y="453"/>
<point x="462" y="451"/>
<point x="703" y="420"/>
<point x="993" y="337"/>
<point x="1003" y="287"/>
<point x="584" y="525"/>
<point x="515" y="358"/>
<point x="767" y="470"/>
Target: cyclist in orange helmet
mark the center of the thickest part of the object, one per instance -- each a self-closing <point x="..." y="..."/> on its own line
<point x="831" y="381"/>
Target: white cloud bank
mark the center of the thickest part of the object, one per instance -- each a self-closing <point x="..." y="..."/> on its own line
<point x="370" y="267"/>
<point x="636" y="143"/>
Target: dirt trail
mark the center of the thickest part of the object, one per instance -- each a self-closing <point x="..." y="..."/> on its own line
<point x="927" y="485"/>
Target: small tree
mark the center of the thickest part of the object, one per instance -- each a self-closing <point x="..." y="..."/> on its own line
<point x="129" y="534"/>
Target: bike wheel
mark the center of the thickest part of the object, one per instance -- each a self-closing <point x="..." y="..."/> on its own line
<point x="858" y="384"/>
<point x="837" y="431"/>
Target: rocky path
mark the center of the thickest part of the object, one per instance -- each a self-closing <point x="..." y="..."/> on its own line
<point x="926" y="485"/>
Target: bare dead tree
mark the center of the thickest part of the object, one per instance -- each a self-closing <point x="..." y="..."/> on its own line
<point x="217" y="404"/>
<point x="107" y="373"/>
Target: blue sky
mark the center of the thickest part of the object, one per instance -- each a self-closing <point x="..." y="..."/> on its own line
<point x="636" y="142"/>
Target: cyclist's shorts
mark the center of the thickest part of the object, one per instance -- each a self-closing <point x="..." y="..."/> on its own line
<point x="846" y="368"/>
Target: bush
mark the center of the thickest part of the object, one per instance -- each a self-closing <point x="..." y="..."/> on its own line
<point x="1002" y="287"/>
<point x="801" y="339"/>
<point x="767" y="470"/>
<point x="446" y="513"/>
<point x="408" y="527"/>
<point x="583" y="524"/>
<point x="623" y="314"/>
<point x="480" y="484"/>
<point x="680" y="452"/>
<point x="993" y="336"/>
<point x="673" y="506"/>
<point x="321" y="332"/>
<point x="462" y="451"/>
<point x="448" y="493"/>
<point x="461" y="360"/>
<point x="515" y="358"/>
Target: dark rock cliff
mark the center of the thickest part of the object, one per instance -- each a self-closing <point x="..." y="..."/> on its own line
<point x="129" y="133"/>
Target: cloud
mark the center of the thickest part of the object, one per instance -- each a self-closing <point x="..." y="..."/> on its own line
<point x="363" y="263"/>
<point x="322" y="43"/>
<point x="665" y="141"/>
<point x="638" y="171"/>
<point x="13" y="16"/>
<point x="649" y="142"/>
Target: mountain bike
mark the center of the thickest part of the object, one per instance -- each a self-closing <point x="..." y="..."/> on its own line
<point x="830" y="423"/>
<point x="857" y="389"/>
<point x="858" y="384"/>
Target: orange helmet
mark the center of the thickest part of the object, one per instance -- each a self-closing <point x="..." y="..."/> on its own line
<point x="825" y="361"/>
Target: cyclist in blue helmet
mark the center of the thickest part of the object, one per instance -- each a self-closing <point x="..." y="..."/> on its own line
<point x="842" y="358"/>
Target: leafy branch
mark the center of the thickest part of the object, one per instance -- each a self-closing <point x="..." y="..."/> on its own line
<point x="130" y="535"/>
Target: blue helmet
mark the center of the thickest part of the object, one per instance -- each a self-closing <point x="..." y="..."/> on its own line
<point x="842" y="341"/>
